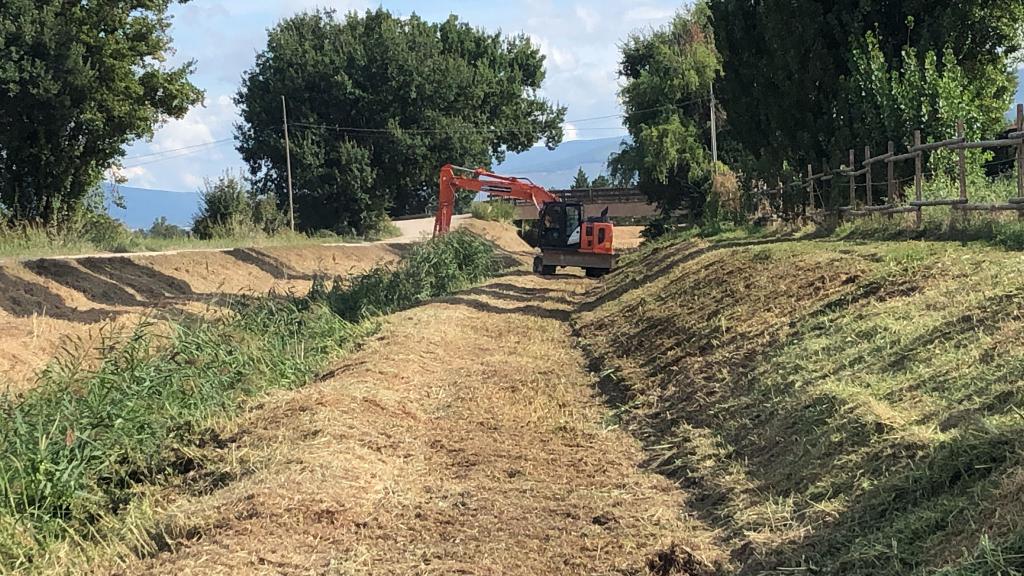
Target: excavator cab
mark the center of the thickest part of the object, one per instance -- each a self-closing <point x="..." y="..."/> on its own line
<point x="567" y="240"/>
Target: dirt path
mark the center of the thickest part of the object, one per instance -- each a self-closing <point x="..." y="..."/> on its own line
<point x="467" y="438"/>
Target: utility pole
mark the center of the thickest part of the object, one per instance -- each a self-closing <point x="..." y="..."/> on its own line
<point x="288" y="161"/>
<point x="714" y="130"/>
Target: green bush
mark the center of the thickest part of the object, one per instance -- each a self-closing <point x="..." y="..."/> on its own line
<point x="493" y="210"/>
<point x="380" y="228"/>
<point x="226" y="210"/>
<point x="434" y="268"/>
<point x="267" y="217"/>
<point x="165" y="231"/>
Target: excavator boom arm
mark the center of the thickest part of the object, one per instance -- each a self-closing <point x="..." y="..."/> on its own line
<point x="481" y="180"/>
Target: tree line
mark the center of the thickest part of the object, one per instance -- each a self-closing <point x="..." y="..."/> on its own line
<point x="377" y="104"/>
<point x="801" y="82"/>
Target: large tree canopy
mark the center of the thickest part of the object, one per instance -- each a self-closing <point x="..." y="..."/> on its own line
<point x="377" y="104"/>
<point x="668" y="74"/>
<point x="805" y="79"/>
<point x="79" y="81"/>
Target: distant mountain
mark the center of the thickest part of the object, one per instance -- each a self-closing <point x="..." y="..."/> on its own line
<point x="143" y="206"/>
<point x="557" y="168"/>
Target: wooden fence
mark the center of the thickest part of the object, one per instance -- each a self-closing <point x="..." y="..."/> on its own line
<point x="895" y="203"/>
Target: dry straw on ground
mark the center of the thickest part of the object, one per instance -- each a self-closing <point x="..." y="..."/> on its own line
<point x="466" y="439"/>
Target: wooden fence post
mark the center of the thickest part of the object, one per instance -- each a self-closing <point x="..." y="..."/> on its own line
<point x="962" y="161"/>
<point x="825" y="177"/>
<point x="918" y="174"/>
<point x="1020" y="154"/>
<point x="891" y="187"/>
<point x="869" y="197"/>
<point x="810" y="189"/>
<point x="853" y="180"/>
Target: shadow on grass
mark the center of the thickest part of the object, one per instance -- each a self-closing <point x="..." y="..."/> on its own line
<point x="510" y="298"/>
<point x="657" y="263"/>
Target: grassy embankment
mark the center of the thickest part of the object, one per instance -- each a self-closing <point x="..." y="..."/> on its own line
<point x="829" y="406"/>
<point x="82" y="457"/>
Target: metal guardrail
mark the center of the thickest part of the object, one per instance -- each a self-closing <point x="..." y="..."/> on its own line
<point x="598" y="196"/>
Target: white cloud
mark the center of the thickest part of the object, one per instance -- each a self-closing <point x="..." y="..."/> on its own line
<point x="580" y="40"/>
<point x="135" y="176"/>
<point x="589" y="18"/>
<point x="644" y="13"/>
<point x="571" y="132"/>
<point x="560" y="59"/>
<point x="206" y="123"/>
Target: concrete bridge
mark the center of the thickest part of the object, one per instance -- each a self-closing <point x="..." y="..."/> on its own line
<point x="620" y="202"/>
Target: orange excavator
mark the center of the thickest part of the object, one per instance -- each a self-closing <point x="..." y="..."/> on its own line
<point x="566" y="239"/>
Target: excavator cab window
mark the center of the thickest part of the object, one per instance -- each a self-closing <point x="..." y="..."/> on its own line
<point x="552" y="225"/>
<point x="560" y="225"/>
<point x="573" y="221"/>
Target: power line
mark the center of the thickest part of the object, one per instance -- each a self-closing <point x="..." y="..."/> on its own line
<point x="162" y="152"/>
<point x="170" y="154"/>
<point x="654" y="109"/>
<point x="464" y="130"/>
<point x="355" y="129"/>
<point x="186" y="152"/>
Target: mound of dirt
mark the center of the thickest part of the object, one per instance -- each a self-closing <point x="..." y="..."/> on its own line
<point x="504" y="236"/>
<point x="51" y="304"/>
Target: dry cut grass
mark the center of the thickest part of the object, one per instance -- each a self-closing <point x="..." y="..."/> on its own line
<point x="829" y="407"/>
<point x="465" y="439"/>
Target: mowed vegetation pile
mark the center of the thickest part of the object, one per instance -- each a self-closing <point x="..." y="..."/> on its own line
<point x="828" y="407"/>
<point x="51" y="304"/>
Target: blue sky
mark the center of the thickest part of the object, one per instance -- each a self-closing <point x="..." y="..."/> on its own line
<point x="580" y="39"/>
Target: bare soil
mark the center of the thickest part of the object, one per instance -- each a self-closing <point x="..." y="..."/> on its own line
<point x="467" y="438"/>
<point x="50" y="304"/>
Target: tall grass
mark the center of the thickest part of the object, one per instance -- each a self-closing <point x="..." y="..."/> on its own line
<point x="1003" y="230"/>
<point x="441" y="266"/>
<point x="75" y="449"/>
<point x="493" y="210"/>
<point x="77" y="452"/>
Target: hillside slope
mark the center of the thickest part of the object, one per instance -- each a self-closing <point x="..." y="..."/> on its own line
<point x="830" y="408"/>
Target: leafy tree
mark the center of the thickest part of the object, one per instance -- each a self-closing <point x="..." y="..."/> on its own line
<point x="581" y="181"/>
<point x="378" y="104"/>
<point x="668" y="74"/>
<point x="800" y="76"/>
<point x="266" y="216"/>
<point x="928" y="91"/>
<point x="601" y="181"/>
<point x="225" y="210"/>
<point x="80" y="81"/>
<point x="161" y="228"/>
